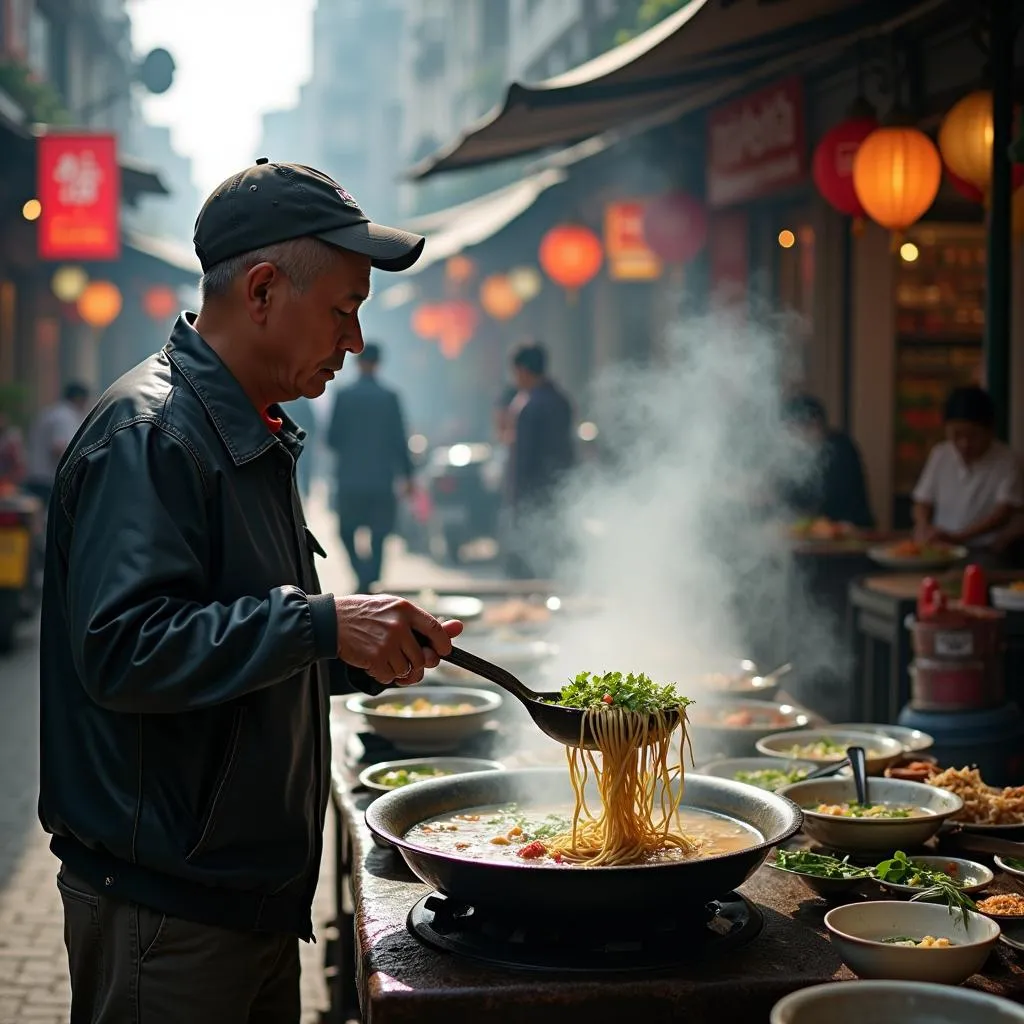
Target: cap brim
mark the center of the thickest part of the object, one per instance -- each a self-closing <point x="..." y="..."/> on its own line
<point x="388" y="248"/>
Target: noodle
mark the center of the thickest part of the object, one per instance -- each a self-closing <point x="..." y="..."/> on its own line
<point x="639" y="814"/>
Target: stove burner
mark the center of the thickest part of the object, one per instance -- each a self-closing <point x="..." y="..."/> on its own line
<point x="575" y="945"/>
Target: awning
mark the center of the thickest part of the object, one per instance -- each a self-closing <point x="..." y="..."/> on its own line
<point x="178" y="262"/>
<point x="705" y="43"/>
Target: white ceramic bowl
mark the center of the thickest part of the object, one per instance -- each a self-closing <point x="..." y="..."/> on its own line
<point x="880" y="750"/>
<point x="369" y="778"/>
<point x="727" y="767"/>
<point x="872" y="835"/>
<point x="974" y="877"/>
<point x="1008" y="868"/>
<point x="893" y="1002"/>
<point x="427" y="734"/>
<point x="858" y="930"/>
<point x="914" y="741"/>
<point x="884" y="556"/>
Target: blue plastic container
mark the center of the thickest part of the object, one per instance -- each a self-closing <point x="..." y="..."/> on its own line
<point x="992" y="740"/>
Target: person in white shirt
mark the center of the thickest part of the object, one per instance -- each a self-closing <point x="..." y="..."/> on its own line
<point x="972" y="487"/>
<point x="51" y="433"/>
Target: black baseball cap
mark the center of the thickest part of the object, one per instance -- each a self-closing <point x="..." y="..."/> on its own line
<point x="270" y="203"/>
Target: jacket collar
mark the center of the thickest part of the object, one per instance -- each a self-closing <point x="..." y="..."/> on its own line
<point x="239" y="424"/>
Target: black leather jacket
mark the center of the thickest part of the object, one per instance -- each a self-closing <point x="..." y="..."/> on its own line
<point x="186" y="654"/>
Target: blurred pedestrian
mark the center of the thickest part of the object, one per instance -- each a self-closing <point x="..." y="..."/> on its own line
<point x="367" y="435"/>
<point x="187" y="655"/>
<point x="542" y="453"/>
<point x="304" y="416"/>
<point x="12" y="451"/>
<point x="50" y="436"/>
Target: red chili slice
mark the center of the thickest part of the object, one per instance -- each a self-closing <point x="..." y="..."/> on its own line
<point x="608" y="699"/>
<point x="532" y="850"/>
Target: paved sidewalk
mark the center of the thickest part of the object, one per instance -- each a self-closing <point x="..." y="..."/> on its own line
<point x="33" y="968"/>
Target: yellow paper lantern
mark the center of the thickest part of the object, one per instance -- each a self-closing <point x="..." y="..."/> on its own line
<point x="498" y="297"/>
<point x="965" y="139"/>
<point x="100" y="304"/>
<point x="68" y="283"/>
<point x="896" y="173"/>
<point x="526" y="282"/>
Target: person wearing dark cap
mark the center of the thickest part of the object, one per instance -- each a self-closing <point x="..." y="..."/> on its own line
<point x="971" y="489"/>
<point x="834" y="487"/>
<point x="187" y="653"/>
<point x="367" y="435"/>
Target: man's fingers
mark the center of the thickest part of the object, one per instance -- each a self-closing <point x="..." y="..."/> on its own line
<point x="453" y="627"/>
<point x="430" y="630"/>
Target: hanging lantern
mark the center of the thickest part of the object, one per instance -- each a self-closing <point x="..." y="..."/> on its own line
<point x="897" y="172"/>
<point x="459" y="269"/>
<point x="160" y="302"/>
<point x="965" y="139"/>
<point x="974" y="194"/>
<point x="426" y="321"/>
<point x="675" y="227"/>
<point x="526" y="282"/>
<point x="571" y="255"/>
<point x="458" y="323"/>
<point x="832" y="166"/>
<point x="99" y="305"/>
<point x="68" y="283"/>
<point x="499" y="298"/>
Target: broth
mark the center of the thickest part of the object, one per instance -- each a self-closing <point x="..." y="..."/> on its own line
<point x="504" y="833"/>
<point x="855" y="810"/>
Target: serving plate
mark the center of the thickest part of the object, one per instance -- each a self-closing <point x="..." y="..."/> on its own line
<point x="980" y="876"/>
<point x="883" y="555"/>
<point x="369" y="777"/>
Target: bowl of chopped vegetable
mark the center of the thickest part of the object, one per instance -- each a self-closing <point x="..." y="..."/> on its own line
<point x="897" y="815"/>
<point x="830" y="877"/>
<point x="830" y="744"/>
<point x="764" y="772"/>
<point x="911" y="941"/>
<point x="908" y="1002"/>
<point x="427" y="720"/>
<point x="1011" y="865"/>
<point x="911" y="876"/>
<point x="388" y="775"/>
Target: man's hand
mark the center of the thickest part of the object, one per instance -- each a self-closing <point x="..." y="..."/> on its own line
<point x="926" y="533"/>
<point x="376" y="634"/>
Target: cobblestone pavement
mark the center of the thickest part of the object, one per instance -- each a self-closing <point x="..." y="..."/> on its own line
<point x="33" y="969"/>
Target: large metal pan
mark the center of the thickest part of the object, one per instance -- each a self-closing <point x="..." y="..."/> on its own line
<point x="614" y="890"/>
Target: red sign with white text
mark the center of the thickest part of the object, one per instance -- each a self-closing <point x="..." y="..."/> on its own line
<point x="757" y="145"/>
<point x="79" y="185"/>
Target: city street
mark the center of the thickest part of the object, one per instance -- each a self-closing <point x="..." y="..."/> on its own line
<point x="33" y="968"/>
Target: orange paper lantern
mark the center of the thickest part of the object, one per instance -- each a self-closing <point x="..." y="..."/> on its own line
<point x="965" y="139"/>
<point x="897" y="172"/>
<point x="499" y="298"/>
<point x="99" y="305"/>
<point x="426" y="321"/>
<point x="571" y="255"/>
<point x="459" y="269"/>
<point x="160" y="302"/>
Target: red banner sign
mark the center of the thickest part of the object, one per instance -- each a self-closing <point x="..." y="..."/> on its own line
<point x="757" y="145"/>
<point x="80" y="191"/>
<point x="629" y="256"/>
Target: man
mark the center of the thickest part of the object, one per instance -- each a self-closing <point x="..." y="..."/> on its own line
<point x="186" y="647"/>
<point x="542" y="452"/>
<point x="836" y="487"/>
<point x="971" y="491"/>
<point x="50" y="436"/>
<point x="367" y="435"/>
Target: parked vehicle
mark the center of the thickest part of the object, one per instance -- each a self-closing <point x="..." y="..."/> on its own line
<point x="464" y="484"/>
<point x="20" y="536"/>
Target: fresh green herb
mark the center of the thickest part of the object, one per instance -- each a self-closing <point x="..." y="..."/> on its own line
<point x="771" y="778"/>
<point x="899" y="940"/>
<point x="855" y="810"/>
<point x="820" y="865"/>
<point x="404" y="776"/>
<point x="936" y="886"/>
<point x="613" y="689"/>
<point x="1014" y="862"/>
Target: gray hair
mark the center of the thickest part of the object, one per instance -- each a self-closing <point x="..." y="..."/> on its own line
<point x="301" y="260"/>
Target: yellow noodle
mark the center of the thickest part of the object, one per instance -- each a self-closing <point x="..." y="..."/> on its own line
<point x="639" y="815"/>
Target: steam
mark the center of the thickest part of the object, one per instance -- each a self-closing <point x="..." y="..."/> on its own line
<point x="677" y="529"/>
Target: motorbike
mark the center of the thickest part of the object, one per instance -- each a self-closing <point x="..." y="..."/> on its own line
<point x="20" y="535"/>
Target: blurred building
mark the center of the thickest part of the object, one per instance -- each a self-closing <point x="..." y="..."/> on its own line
<point x="171" y="216"/>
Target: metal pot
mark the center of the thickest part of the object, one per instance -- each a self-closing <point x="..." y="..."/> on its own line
<point x="615" y="890"/>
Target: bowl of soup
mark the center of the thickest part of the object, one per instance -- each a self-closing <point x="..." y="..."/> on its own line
<point x="731" y="726"/>
<point x="829" y="744"/>
<point x="428" y="719"/>
<point x="898" y="815"/>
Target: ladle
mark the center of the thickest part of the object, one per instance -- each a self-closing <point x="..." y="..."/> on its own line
<point x="858" y="762"/>
<point x="564" y="725"/>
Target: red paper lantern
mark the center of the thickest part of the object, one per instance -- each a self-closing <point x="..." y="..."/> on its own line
<point x="160" y="302"/>
<point x="426" y="321"/>
<point x="974" y="194"/>
<point x="675" y="227"/>
<point x="458" y="324"/>
<point x="832" y="166"/>
<point x="571" y="255"/>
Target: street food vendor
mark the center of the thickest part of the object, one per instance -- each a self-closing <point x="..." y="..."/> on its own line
<point x="971" y="490"/>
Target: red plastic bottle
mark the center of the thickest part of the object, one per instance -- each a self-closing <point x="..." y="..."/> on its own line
<point x="974" y="590"/>
<point x="928" y="595"/>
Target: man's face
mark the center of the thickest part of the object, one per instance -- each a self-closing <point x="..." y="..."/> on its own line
<point x="971" y="440"/>
<point x="306" y="336"/>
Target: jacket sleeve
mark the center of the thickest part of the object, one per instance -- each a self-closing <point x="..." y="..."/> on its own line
<point x="146" y="637"/>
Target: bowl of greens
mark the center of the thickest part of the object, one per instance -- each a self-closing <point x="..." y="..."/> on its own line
<point x="764" y="772"/>
<point x="827" y="876"/>
<point x="910" y="876"/>
<point x="830" y="744"/>
<point x="388" y="775"/>
<point x="1011" y="865"/>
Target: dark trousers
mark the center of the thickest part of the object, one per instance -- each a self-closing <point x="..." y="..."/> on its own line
<point x="133" y="965"/>
<point x="376" y="512"/>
